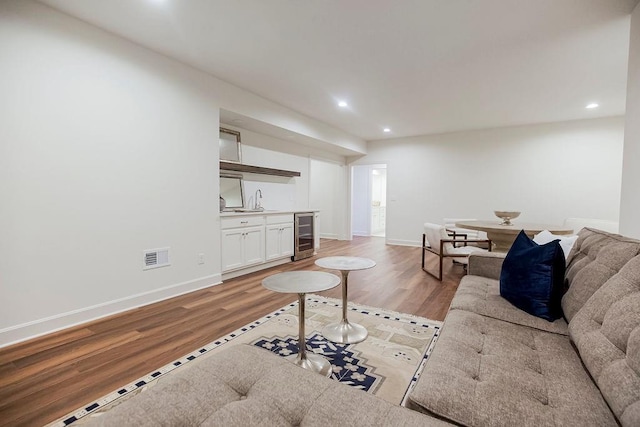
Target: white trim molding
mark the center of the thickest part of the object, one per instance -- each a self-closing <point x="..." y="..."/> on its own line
<point x="404" y="242"/>
<point x="36" y="328"/>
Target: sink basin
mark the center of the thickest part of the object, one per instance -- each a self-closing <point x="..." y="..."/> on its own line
<point x="248" y="210"/>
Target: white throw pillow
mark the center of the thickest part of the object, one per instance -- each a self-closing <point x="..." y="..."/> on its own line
<point x="566" y="242"/>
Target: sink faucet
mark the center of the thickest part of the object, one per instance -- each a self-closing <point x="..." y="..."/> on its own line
<point x="256" y="201"/>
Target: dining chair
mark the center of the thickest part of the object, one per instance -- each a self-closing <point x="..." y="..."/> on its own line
<point x="457" y="232"/>
<point x="436" y="240"/>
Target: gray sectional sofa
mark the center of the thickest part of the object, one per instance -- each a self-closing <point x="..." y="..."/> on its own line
<point x="493" y="365"/>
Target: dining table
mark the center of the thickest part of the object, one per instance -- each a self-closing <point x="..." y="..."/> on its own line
<point x="502" y="236"/>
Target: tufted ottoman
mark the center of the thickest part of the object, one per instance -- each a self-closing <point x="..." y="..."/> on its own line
<point x="248" y="386"/>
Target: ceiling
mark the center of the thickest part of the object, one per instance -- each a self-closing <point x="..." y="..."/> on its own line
<point x="415" y="66"/>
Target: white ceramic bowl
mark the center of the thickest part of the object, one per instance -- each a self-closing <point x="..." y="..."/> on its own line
<point x="506" y="216"/>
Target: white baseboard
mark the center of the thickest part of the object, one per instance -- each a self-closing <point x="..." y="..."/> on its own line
<point x="329" y="236"/>
<point x="243" y="271"/>
<point x="404" y="242"/>
<point x="36" y="328"/>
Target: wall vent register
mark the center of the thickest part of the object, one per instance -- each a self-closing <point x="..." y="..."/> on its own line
<point x="155" y="258"/>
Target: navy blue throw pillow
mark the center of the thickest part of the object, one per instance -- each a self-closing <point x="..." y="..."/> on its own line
<point x="532" y="277"/>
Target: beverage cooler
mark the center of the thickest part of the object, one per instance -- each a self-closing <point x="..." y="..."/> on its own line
<point x="304" y="235"/>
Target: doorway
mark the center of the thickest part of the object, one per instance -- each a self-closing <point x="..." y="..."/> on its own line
<point x="369" y="200"/>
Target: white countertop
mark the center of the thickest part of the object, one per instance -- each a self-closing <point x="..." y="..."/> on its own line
<point x="266" y="212"/>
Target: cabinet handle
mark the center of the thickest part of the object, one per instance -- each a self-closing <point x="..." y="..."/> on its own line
<point x="244" y="222"/>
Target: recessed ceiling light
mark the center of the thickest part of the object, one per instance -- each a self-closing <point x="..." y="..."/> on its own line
<point x="342" y="104"/>
<point x="387" y="130"/>
<point x="592" y="105"/>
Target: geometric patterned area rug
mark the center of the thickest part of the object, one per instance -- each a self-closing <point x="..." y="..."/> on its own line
<point x="386" y="364"/>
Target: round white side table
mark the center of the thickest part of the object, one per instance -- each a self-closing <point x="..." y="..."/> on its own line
<point x="301" y="282"/>
<point x="345" y="332"/>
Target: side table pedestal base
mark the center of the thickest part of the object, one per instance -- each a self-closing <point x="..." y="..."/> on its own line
<point x="345" y="332"/>
<point x="315" y="363"/>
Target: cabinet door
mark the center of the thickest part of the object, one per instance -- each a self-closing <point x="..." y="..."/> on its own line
<point x="273" y="242"/>
<point x="232" y="243"/>
<point x="253" y="246"/>
<point x="286" y="240"/>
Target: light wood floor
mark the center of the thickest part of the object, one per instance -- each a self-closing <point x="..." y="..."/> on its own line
<point x="48" y="377"/>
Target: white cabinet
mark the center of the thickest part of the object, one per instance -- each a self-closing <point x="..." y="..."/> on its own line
<point x="242" y="240"/>
<point x="252" y="242"/>
<point x="279" y="241"/>
<point x="253" y="246"/>
<point x="279" y="237"/>
<point x="232" y="243"/>
<point x="286" y="240"/>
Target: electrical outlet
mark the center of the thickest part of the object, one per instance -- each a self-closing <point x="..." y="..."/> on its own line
<point x="200" y="258"/>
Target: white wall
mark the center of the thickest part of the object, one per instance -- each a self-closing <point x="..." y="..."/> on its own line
<point x="630" y="203"/>
<point x="328" y="193"/>
<point x="106" y="149"/>
<point x="549" y="172"/>
<point x="279" y="193"/>
<point x="361" y="201"/>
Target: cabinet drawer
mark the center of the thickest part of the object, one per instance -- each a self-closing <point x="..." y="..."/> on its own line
<point x="241" y="221"/>
<point x="279" y="219"/>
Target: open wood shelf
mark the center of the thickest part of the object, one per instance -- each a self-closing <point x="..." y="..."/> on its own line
<point x="237" y="167"/>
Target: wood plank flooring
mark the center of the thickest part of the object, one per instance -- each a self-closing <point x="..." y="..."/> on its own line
<point x="48" y="377"/>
